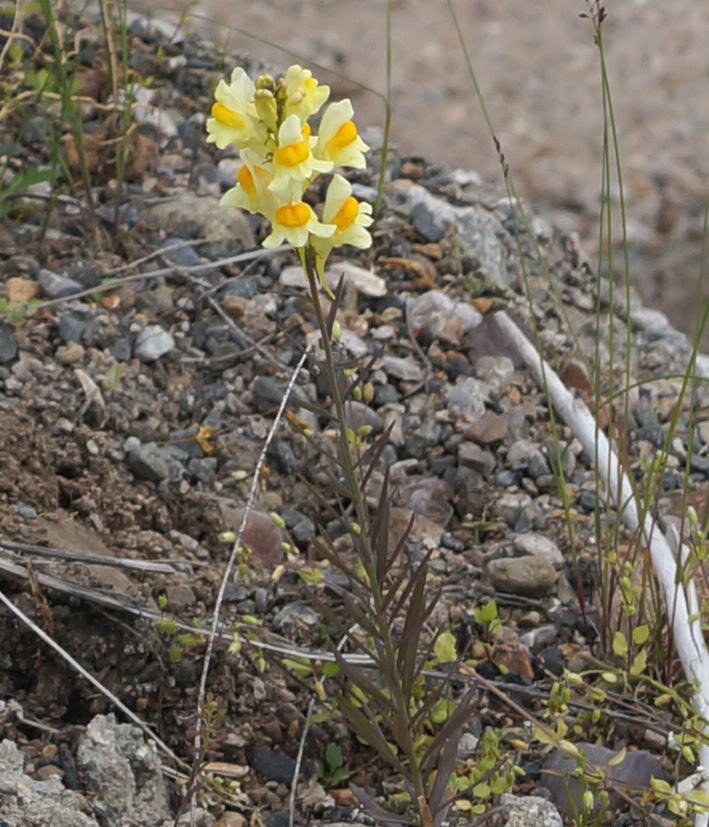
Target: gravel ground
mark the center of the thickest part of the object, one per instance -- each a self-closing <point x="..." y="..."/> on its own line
<point x="538" y="71"/>
<point x="133" y="414"/>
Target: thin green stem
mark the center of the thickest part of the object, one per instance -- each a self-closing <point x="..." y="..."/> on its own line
<point x="388" y="655"/>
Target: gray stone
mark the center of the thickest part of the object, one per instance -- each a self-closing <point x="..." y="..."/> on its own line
<point x="227" y="170"/>
<point x="275" y="766"/>
<point x="525" y="455"/>
<point x="476" y="457"/>
<point x="467" y="399"/>
<point x="295" y="616"/>
<point x="26" y="802"/>
<point x="511" y="505"/>
<point x="481" y="233"/>
<point x="406" y="369"/>
<point x="8" y="344"/>
<point x="528" y="576"/>
<point x="55" y="286"/>
<point x="27" y="512"/>
<point x="123" y="772"/>
<point x="505" y="479"/>
<point x="354" y="344"/>
<point x="209" y="219"/>
<point x="442" y="317"/>
<point x="358" y="414"/>
<point x="179" y="253"/>
<point x="497" y="371"/>
<point x="420" y="436"/>
<point x="528" y="811"/>
<point x="152" y="343"/>
<point x="149" y="462"/>
<point x="429" y="223"/>
<point x="539" y="546"/>
<point x="180" y="596"/>
<point x="634" y="771"/>
<point x="303" y="531"/>
<point x="363" y="281"/>
<point x="429" y="497"/>
<point x="71" y="329"/>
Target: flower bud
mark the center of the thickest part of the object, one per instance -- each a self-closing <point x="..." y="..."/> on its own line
<point x="266" y="108"/>
<point x="265" y="81"/>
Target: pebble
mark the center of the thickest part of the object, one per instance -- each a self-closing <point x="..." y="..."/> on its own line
<point x="21" y="290"/>
<point x="527" y="576"/>
<point x="27" y="512"/>
<point x="8" y="344"/>
<point x="272" y="765"/>
<point x="467" y="398"/>
<point x="71" y="329"/>
<point x="363" y="281"/>
<point x="303" y="531"/>
<point x="539" y="545"/>
<point x="427" y="224"/>
<point x="70" y="355"/>
<point x="148" y="462"/>
<point x="260" y="535"/>
<point x="419" y="436"/>
<point x="55" y="286"/>
<point x="358" y="414"/>
<point x="429" y="497"/>
<point x="496" y="371"/>
<point x="435" y="315"/>
<point x="528" y="811"/>
<point x="525" y="455"/>
<point x="175" y="251"/>
<point x="180" y="597"/>
<point x="511" y="505"/>
<point x="152" y="343"/>
<point x="405" y="368"/>
<point x="295" y="616"/>
<point x="476" y="458"/>
<point x="490" y="429"/>
<point x="539" y="637"/>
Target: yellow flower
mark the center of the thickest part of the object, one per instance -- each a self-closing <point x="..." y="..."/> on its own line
<point x="304" y="96"/>
<point x="295" y="222"/>
<point x="251" y="191"/>
<point x="349" y="216"/>
<point x="293" y="161"/>
<point x="338" y="139"/>
<point x="234" y="119"/>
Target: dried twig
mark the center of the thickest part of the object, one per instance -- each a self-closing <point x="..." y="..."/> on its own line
<point x="237" y="544"/>
<point x="165" y="271"/>
<point x="89" y="559"/>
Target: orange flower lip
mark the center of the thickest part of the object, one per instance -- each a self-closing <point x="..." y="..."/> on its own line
<point x="293" y="215"/>
<point x="347" y="213"/>
<point x="293" y="154"/>
<point x="345" y="135"/>
<point x="246" y="179"/>
<point x="227" y="116"/>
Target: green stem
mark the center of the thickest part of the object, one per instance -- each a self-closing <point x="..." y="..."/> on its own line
<point x="399" y="703"/>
